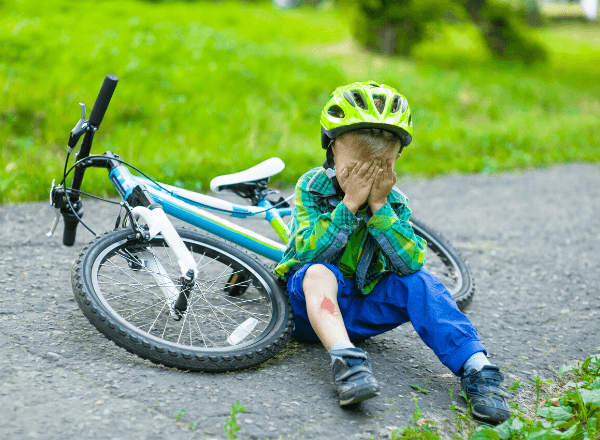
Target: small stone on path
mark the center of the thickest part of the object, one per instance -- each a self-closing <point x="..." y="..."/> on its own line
<point x="52" y="357"/>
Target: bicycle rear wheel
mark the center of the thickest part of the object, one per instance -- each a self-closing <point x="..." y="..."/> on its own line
<point x="447" y="265"/>
<point x="237" y="316"/>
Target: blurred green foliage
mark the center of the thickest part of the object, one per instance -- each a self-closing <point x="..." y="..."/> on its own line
<point x="395" y="26"/>
<point x="503" y="32"/>
<point x="208" y="88"/>
<point x="529" y="10"/>
<point x="398" y="26"/>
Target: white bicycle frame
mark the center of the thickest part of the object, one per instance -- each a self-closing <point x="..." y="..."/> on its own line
<point x="159" y="223"/>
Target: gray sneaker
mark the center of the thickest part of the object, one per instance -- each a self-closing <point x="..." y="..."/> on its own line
<point x="352" y="375"/>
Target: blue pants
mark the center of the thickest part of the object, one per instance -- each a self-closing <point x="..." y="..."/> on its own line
<point x="419" y="298"/>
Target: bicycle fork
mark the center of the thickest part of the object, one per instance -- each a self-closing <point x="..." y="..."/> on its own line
<point x="154" y="217"/>
<point x="158" y="223"/>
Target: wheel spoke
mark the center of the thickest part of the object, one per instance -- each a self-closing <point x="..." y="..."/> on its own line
<point x="221" y="276"/>
<point x="140" y="311"/>
<point x="156" y="319"/>
<point x="234" y="310"/>
<point x="198" y="268"/>
<point x="164" y="261"/>
<point x="143" y="289"/>
<point x="200" y="330"/>
<point x="165" y="329"/>
<point x="225" y="297"/>
<point x="167" y="252"/>
<point x="139" y="283"/>
<point x="210" y="305"/>
<point x="134" y="279"/>
<point x="182" y="327"/>
<point x="143" y="268"/>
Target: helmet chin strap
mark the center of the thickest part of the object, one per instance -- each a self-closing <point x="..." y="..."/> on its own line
<point x="328" y="165"/>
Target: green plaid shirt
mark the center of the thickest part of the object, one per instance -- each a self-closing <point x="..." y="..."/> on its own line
<point x="321" y="227"/>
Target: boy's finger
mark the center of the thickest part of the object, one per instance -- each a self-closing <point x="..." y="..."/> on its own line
<point x="365" y="167"/>
<point x="379" y="176"/>
<point x="356" y="168"/>
<point x="375" y="169"/>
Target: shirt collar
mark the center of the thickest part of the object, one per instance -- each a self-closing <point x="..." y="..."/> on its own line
<point x="320" y="185"/>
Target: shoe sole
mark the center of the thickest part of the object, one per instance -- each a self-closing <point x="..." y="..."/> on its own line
<point x="487" y="418"/>
<point x="361" y="394"/>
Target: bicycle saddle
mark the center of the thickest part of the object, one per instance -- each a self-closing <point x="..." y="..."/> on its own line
<point x="263" y="170"/>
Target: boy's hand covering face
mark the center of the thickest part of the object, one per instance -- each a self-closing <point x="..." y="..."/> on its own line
<point x="384" y="181"/>
<point x="357" y="181"/>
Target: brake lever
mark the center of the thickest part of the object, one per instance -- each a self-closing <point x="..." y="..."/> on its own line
<point x="55" y="223"/>
<point x="53" y="204"/>
<point x="80" y="128"/>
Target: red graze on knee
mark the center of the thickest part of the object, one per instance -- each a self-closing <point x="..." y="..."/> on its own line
<point x="327" y="304"/>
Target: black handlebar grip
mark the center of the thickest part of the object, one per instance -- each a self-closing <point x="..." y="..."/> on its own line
<point x="101" y="104"/>
<point x="70" y="232"/>
<point x="71" y="221"/>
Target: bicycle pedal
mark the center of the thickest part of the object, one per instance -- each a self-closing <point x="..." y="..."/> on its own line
<point x="237" y="284"/>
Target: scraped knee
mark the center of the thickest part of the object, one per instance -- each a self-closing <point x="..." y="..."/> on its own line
<point x="319" y="279"/>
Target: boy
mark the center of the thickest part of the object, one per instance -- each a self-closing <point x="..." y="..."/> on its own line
<point x="353" y="265"/>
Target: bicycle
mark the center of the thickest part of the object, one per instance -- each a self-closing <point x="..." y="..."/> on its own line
<point x="179" y="297"/>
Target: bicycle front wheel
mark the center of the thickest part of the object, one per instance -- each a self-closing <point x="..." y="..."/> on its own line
<point x="237" y="314"/>
<point x="447" y="265"/>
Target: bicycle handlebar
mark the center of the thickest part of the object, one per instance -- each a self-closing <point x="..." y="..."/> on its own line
<point x="72" y="218"/>
<point x="101" y="104"/>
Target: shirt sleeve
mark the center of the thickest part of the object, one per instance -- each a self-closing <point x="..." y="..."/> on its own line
<point x="397" y="239"/>
<point x="320" y="234"/>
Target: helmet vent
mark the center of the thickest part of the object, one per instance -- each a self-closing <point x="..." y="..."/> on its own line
<point x="359" y="99"/>
<point x="395" y="105"/>
<point x="336" y="111"/>
<point x="379" y="101"/>
<point x="410" y="121"/>
<point x="349" y="99"/>
<point x="404" y="105"/>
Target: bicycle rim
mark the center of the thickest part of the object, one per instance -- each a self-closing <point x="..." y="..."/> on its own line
<point x="130" y="292"/>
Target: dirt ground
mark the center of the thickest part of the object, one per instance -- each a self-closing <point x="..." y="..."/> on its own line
<point x="529" y="238"/>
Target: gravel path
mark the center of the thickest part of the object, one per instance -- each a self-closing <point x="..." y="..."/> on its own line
<point x="529" y="238"/>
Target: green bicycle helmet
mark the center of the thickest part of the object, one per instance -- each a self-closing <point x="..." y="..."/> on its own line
<point x="363" y="105"/>
<point x="366" y="105"/>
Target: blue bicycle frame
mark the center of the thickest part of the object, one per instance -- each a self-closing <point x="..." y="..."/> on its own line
<point x="188" y="207"/>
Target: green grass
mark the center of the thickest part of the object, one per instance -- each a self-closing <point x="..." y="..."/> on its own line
<point x="212" y="88"/>
<point x="231" y="423"/>
<point x="573" y="413"/>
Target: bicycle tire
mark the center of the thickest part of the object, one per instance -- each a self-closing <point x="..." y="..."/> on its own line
<point x="95" y="302"/>
<point x="447" y="264"/>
